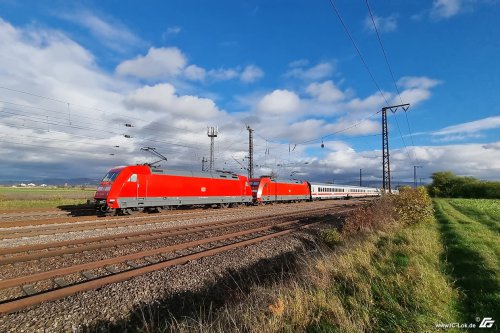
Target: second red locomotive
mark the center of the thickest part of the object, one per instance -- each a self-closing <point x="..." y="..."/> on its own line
<point x="266" y="189"/>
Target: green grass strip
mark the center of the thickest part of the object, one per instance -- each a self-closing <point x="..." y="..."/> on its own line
<point x="472" y="256"/>
<point x="392" y="282"/>
<point x="483" y="210"/>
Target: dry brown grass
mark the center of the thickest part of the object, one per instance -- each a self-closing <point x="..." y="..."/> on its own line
<point x="386" y="276"/>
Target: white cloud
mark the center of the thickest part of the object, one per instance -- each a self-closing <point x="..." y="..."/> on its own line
<point x="417" y="89"/>
<point x="417" y="82"/>
<point x="317" y="72"/>
<point x="279" y="102"/>
<point x="108" y="31"/>
<point x="251" y="73"/>
<point x="299" y="63"/>
<point x="195" y="73"/>
<point x="170" y="62"/>
<point x="157" y="63"/>
<point x="163" y="98"/>
<point x="174" y="30"/>
<point x="325" y="92"/>
<point x="445" y="8"/>
<point x="476" y="160"/>
<point x="384" y="24"/>
<point x="223" y="74"/>
<point x="471" y="127"/>
<point x="369" y="104"/>
<point x="494" y="146"/>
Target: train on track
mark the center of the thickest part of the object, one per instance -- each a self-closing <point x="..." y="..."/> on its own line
<point x="129" y="189"/>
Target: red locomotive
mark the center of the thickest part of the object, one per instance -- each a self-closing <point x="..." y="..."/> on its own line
<point x="141" y="187"/>
<point x="266" y="189"/>
<point x="131" y="188"/>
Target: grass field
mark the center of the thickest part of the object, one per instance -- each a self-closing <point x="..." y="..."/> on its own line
<point x="22" y="197"/>
<point x="469" y="231"/>
<point x="395" y="277"/>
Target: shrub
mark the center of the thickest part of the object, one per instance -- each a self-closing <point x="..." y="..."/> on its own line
<point x="413" y="205"/>
<point x="331" y="237"/>
<point x="409" y="207"/>
<point x="448" y="185"/>
<point x="375" y="216"/>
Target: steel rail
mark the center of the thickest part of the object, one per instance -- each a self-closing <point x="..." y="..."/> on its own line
<point x="50" y="230"/>
<point x="140" y="236"/>
<point x="23" y="223"/>
<point x="20" y="303"/>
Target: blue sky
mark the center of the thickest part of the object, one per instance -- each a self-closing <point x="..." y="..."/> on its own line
<point x="286" y="68"/>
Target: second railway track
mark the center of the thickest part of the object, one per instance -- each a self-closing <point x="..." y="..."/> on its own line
<point x="45" y="285"/>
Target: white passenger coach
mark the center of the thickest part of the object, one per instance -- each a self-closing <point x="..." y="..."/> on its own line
<point x="333" y="191"/>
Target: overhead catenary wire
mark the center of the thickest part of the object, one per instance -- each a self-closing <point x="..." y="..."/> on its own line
<point x="45" y="119"/>
<point x="346" y="29"/>
<point x="391" y="72"/>
<point x="68" y="103"/>
<point x="332" y="3"/>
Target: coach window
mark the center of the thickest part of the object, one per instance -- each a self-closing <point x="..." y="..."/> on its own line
<point x="133" y="178"/>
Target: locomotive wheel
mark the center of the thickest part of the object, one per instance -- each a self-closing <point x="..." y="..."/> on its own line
<point x="104" y="210"/>
<point x="224" y="205"/>
<point x="156" y="209"/>
<point x="129" y="211"/>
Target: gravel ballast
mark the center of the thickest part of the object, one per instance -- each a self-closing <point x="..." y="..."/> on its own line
<point x="113" y="305"/>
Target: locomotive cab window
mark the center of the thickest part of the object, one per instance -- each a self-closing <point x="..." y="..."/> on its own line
<point x="133" y="178"/>
<point x="110" y="176"/>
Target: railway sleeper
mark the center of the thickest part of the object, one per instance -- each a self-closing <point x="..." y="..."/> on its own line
<point x="112" y="269"/>
<point x="60" y="282"/>
<point x="89" y="275"/>
<point x="29" y="290"/>
<point x="167" y="255"/>
<point x="132" y="264"/>
<point x="151" y="260"/>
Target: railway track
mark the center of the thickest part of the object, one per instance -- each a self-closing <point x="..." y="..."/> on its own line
<point x="61" y="282"/>
<point x="11" y="220"/>
<point x="20" y="231"/>
<point x="52" y="249"/>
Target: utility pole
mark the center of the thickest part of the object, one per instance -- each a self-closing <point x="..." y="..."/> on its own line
<point x="250" y="152"/>
<point x="415" y="175"/>
<point x="203" y="162"/>
<point x="212" y="133"/>
<point x="360" y="178"/>
<point x="386" y="165"/>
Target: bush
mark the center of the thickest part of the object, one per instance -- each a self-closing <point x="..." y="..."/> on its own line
<point x="408" y="207"/>
<point x="448" y="185"/>
<point x="331" y="237"/>
<point x="413" y="205"/>
<point x="375" y="216"/>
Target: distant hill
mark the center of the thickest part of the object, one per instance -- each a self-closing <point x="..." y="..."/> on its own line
<point x="53" y="181"/>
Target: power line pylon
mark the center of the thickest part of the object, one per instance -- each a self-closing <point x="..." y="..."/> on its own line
<point x="386" y="165"/>
<point x="250" y="152"/>
<point x="212" y="134"/>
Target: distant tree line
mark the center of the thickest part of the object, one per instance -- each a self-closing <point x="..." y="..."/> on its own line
<point x="448" y="185"/>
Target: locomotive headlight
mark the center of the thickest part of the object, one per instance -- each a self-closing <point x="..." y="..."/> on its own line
<point x="111" y="200"/>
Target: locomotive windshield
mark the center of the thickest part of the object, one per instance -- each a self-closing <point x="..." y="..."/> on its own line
<point x="110" y="176"/>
